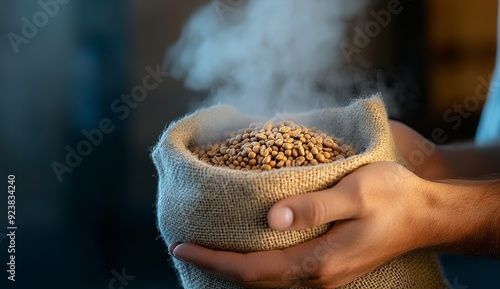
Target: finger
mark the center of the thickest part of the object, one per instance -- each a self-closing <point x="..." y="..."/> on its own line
<point x="236" y="267"/>
<point x="269" y="269"/>
<point x="314" y="209"/>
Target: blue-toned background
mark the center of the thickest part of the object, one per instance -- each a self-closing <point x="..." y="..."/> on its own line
<point x="84" y="228"/>
<point x="67" y="70"/>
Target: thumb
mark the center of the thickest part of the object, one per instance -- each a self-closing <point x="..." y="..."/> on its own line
<point x="313" y="209"/>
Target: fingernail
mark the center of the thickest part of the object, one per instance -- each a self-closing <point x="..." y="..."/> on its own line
<point x="171" y="251"/>
<point x="284" y="218"/>
<point x="172" y="247"/>
<point x="179" y="259"/>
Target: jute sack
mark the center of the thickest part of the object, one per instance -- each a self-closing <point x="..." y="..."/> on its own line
<point x="226" y="209"/>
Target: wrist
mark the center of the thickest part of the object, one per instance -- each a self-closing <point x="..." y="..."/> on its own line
<point x="440" y="215"/>
<point x="459" y="216"/>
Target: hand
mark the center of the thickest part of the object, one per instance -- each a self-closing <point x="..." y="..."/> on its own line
<point x="422" y="156"/>
<point x="377" y="210"/>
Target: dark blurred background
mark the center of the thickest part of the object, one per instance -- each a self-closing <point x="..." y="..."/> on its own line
<point x="65" y="75"/>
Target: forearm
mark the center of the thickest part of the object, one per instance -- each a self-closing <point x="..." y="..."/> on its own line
<point x="461" y="217"/>
<point x="469" y="161"/>
<point x="435" y="162"/>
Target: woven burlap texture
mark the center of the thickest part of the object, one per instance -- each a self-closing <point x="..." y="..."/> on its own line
<point x="226" y="209"/>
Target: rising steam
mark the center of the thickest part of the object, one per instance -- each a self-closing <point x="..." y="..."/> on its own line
<point x="265" y="55"/>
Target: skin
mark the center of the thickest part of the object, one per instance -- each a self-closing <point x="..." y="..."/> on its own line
<point x="381" y="210"/>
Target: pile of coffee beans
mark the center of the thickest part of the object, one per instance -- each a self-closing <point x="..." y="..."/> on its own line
<point x="267" y="146"/>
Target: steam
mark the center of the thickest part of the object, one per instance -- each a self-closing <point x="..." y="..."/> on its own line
<point x="266" y="55"/>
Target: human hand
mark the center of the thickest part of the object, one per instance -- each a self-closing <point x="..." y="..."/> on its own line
<point x="422" y="156"/>
<point x="377" y="212"/>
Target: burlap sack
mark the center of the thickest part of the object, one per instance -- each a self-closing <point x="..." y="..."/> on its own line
<point x="225" y="209"/>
